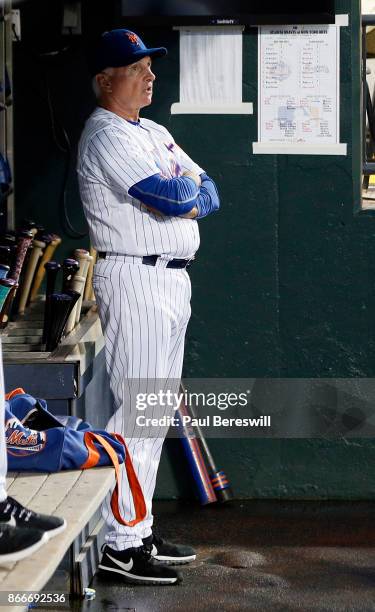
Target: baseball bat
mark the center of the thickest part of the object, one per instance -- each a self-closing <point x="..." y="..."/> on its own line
<point x="29" y="224"/>
<point x="52" y="269"/>
<point x="77" y="284"/>
<point x="46" y="238"/>
<point x="89" y="290"/>
<point x="61" y="306"/>
<point x="70" y="268"/>
<point x="84" y="259"/>
<point x="32" y="230"/>
<point x="219" y="480"/>
<point x="8" y="289"/>
<point x="24" y="239"/>
<point x="23" y="243"/>
<point x="78" y="307"/>
<point x="194" y="456"/>
<point x="47" y="256"/>
<point x="36" y="253"/>
<point x="22" y="276"/>
<point x="81" y="256"/>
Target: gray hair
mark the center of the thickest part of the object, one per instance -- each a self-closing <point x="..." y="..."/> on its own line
<point x="95" y="86"/>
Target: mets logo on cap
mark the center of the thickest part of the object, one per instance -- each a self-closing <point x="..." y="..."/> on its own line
<point x="133" y="38"/>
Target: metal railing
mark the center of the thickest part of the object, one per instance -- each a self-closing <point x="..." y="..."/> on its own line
<point x="368" y="107"/>
<point x="6" y="108"/>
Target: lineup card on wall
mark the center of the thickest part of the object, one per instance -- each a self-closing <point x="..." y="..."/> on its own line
<point x="299" y="90"/>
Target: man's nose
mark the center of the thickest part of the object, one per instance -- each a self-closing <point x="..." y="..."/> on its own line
<point x="150" y="75"/>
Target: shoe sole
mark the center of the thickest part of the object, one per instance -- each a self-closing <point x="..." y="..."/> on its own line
<point x="132" y="579"/>
<point x="174" y="560"/>
<point x="50" y="532"/>
<point x="25" y="552"/>
<point x="54" y="532"/>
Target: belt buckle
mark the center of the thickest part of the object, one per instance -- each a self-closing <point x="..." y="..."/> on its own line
<point x="162" y="261"/>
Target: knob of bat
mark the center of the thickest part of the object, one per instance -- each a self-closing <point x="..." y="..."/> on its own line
<point x="52" y="265"/>
<point x="25" y="234"/>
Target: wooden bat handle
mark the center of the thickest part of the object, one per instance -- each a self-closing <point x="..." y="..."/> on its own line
<point x="84" y="258"/>
<point x="23" y="244"/>
<point x="81" y="255"/>
<point x="47" y="255"/>
<point x="88" y="295"/>
<point x="78" y="306"/>
<point x="70" y="269"/>
<point x="77" y="284"/>
<point x="36" y="253"/>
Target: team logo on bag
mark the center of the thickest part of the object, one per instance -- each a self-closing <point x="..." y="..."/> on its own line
<point x="21" y="441"/>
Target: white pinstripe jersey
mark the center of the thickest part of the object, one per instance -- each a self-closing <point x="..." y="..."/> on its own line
<point x="113" y="155"/>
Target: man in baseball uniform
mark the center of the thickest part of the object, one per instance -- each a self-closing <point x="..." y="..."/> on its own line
<point x="142" y="197"/>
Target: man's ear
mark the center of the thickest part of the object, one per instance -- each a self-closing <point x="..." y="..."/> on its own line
<point x="104" y="82"/>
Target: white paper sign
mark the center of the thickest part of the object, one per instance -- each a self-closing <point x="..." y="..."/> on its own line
<point x="299" y="84"/>
<point x="211" y="71"/>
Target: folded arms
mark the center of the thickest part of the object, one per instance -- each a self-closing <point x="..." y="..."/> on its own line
<point x="178" y="196"/>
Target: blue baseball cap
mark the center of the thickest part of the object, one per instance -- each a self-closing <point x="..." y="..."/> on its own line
<point x="120" y="48"/>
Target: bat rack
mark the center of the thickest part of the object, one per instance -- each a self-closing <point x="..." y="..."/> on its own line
<point x="65" y="376"/>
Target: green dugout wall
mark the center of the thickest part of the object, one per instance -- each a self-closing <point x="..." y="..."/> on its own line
<point x="284" y="285"/>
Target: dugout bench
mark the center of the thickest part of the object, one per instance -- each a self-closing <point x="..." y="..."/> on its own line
<point x="75" y="496"/>
<point x="73" y="381"/>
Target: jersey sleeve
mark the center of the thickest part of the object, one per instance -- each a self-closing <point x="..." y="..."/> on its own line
<point x="113" y="158"/>
<point x="208" y="200"/>
<point x="173" y="197"/>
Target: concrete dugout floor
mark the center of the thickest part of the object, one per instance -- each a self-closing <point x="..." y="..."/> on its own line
<point x="292" y="555"/>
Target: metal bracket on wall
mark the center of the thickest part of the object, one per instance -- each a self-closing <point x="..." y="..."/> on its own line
<point x="6" y="118"/>
<point x="368" y="167"/>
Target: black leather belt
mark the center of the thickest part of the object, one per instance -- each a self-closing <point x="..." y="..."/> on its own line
<point x="150" y="260"/>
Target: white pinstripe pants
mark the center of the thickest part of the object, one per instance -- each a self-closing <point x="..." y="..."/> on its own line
<point x="144" y="312"/>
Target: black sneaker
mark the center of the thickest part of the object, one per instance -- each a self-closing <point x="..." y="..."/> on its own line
<point x="136" y="566"/>
<point x="16" y="543"/>
<point x="15" y="514"/>
<point x="168" y="553"/>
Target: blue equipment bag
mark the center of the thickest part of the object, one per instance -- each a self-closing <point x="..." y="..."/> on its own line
<point x="38" y="441"/>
